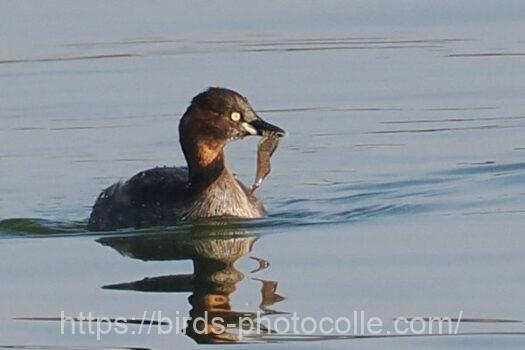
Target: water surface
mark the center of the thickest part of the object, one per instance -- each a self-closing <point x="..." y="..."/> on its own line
<point x="398" y="192"/>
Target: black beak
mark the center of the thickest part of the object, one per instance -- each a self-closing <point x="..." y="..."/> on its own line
<point x="261" y="126"/>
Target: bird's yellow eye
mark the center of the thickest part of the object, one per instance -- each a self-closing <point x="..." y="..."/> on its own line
<point x="236" y="116"/>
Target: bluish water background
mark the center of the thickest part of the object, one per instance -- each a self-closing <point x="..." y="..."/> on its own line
<point x="398" y="192"/>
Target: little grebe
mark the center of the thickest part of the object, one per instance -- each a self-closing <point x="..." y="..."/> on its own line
<point x="204" y="189"/>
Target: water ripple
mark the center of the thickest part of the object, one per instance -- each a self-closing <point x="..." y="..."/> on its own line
<point x="462" y="190"/>
<point x="162" y="47"/>
<point x="488" y="168"/>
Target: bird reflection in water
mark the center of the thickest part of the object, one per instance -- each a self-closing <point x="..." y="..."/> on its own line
<point x="213" y="251"/>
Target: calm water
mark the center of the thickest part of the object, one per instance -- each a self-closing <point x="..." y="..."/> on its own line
<point x="399" y="192"/>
